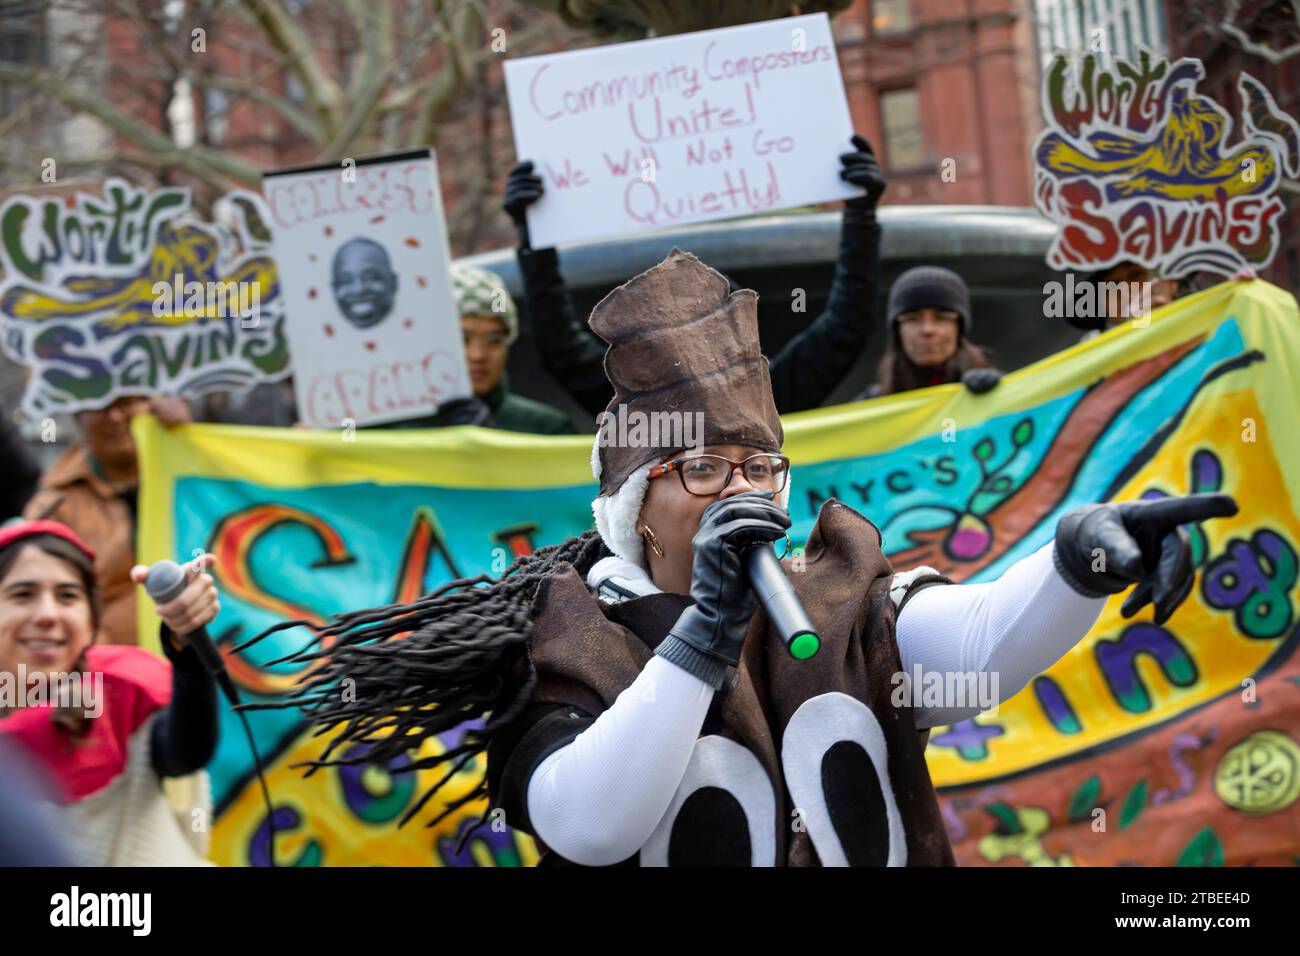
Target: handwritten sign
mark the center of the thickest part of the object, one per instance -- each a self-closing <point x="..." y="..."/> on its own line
<point x="709" y="125"/>
<point x="362" y="249"/>
<point x="127" y="293"/>
<point x="1135" y="164"/>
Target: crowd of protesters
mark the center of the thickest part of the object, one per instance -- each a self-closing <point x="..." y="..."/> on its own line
<point x="68" y="572"/>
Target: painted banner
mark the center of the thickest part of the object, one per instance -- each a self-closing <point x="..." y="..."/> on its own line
<point x="362" y="248"/>
<point x="1135" y="164"/>
<point x="129" y="293"/>
<point x="1145" y="744"/>
<point x="690" y="128"/>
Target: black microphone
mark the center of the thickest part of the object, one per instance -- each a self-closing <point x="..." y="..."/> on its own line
<point x="783" y="607"/>
<point x="165" y="582"/>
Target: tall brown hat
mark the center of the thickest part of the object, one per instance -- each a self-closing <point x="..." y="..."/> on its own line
<point x="678" y="342"/>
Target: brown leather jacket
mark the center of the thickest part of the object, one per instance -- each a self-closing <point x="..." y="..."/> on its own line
<point x="102" y="518"/>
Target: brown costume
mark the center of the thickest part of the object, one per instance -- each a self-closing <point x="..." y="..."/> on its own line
<point x="846" y="778"/>
<point x="680" y="343"/>
<point x="587" y="653"/>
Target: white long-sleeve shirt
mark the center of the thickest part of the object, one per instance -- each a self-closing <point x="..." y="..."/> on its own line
<point x="597" y="800"/>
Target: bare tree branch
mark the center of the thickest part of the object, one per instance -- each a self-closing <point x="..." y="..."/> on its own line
<point x="464" y="29"/>
<point x="323" y="93"/>
<point x="204" y="163"/>
<point x="257" y="93"/>
<point x="375" y="24"/>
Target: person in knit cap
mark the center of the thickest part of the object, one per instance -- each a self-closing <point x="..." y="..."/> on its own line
<point x="929" y="319"/>
<point x="637" y="705"/>
<point x="489" y="323"/>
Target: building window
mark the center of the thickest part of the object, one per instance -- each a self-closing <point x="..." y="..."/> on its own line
<point x="294" y="91"/>
<point x="216" y="119"/>
<point x="890" y="16"/>
<point x="22" y="43"/>
<point x="900" y="117"/>
<point x="1070" y="25"/>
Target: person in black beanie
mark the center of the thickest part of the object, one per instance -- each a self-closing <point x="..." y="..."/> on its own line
<point x="803" y="374"/>
<point x="929" y="319"/>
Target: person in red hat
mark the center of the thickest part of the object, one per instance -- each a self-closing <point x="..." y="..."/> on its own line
<point x="92" y="488"/>
<point x="105" y="722"/>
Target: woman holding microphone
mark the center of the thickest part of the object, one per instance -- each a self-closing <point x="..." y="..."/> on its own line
<point x="106" y="722"/>
<point x="639" y="708"/>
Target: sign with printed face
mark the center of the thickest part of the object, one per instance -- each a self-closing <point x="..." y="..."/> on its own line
<point x="127" y="292"/>
<point x="362" y="246"/>
<point x="692" y="128"/>
<point x="1134" y="164"/>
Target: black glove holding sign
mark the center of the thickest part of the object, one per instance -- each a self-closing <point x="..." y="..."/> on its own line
<point x="1103" y="549"/>
<point x="707" y="638"/>
<point x="523" y="188"/>
<point x="861" y="169"/>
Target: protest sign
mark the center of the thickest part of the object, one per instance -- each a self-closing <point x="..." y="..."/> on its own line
<point x="362" y="249"/>
<point x="1185" y="733"/>
<point x="129" y="293"/>
<point x="1135" y="164"/>
<point x="691" y="128"/>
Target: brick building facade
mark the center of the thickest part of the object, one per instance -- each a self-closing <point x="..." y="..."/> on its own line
<point x="947" y="90"/>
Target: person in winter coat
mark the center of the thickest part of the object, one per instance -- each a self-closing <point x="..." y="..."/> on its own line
<point x="929" y="319"/>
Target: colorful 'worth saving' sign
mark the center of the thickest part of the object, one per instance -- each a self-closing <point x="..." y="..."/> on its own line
<point x="1153" y="744"/>
<point x="1135" y="164"/>
<point x="129" y="293"/>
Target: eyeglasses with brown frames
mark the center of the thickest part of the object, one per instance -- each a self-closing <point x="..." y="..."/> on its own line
<point x="705" y="475"/>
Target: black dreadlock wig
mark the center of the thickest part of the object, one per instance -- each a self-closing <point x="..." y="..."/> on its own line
<point x="395" y="676"/>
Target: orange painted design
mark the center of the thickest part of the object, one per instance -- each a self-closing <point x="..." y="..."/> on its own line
<point x="232" y="543"/>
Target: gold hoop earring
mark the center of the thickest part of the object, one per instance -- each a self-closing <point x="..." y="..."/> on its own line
<point x="651" y="540"/>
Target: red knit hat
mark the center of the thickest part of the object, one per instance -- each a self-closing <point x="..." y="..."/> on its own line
<point x="29" y="529"/>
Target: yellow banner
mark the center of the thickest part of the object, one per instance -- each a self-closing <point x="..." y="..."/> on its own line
<point x="1160" y="745"/>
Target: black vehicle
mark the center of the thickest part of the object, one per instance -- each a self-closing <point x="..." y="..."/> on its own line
<point x="1000" y="251"/>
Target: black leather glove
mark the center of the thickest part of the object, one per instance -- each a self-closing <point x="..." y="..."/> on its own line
<point x="861" y="169"/>
<point x="523" y="188"/>
<point x="981" y="380"/>
<point x="463" y="411"/>
<point x="707" y="638"/>
<point x="1102" y="549"/>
